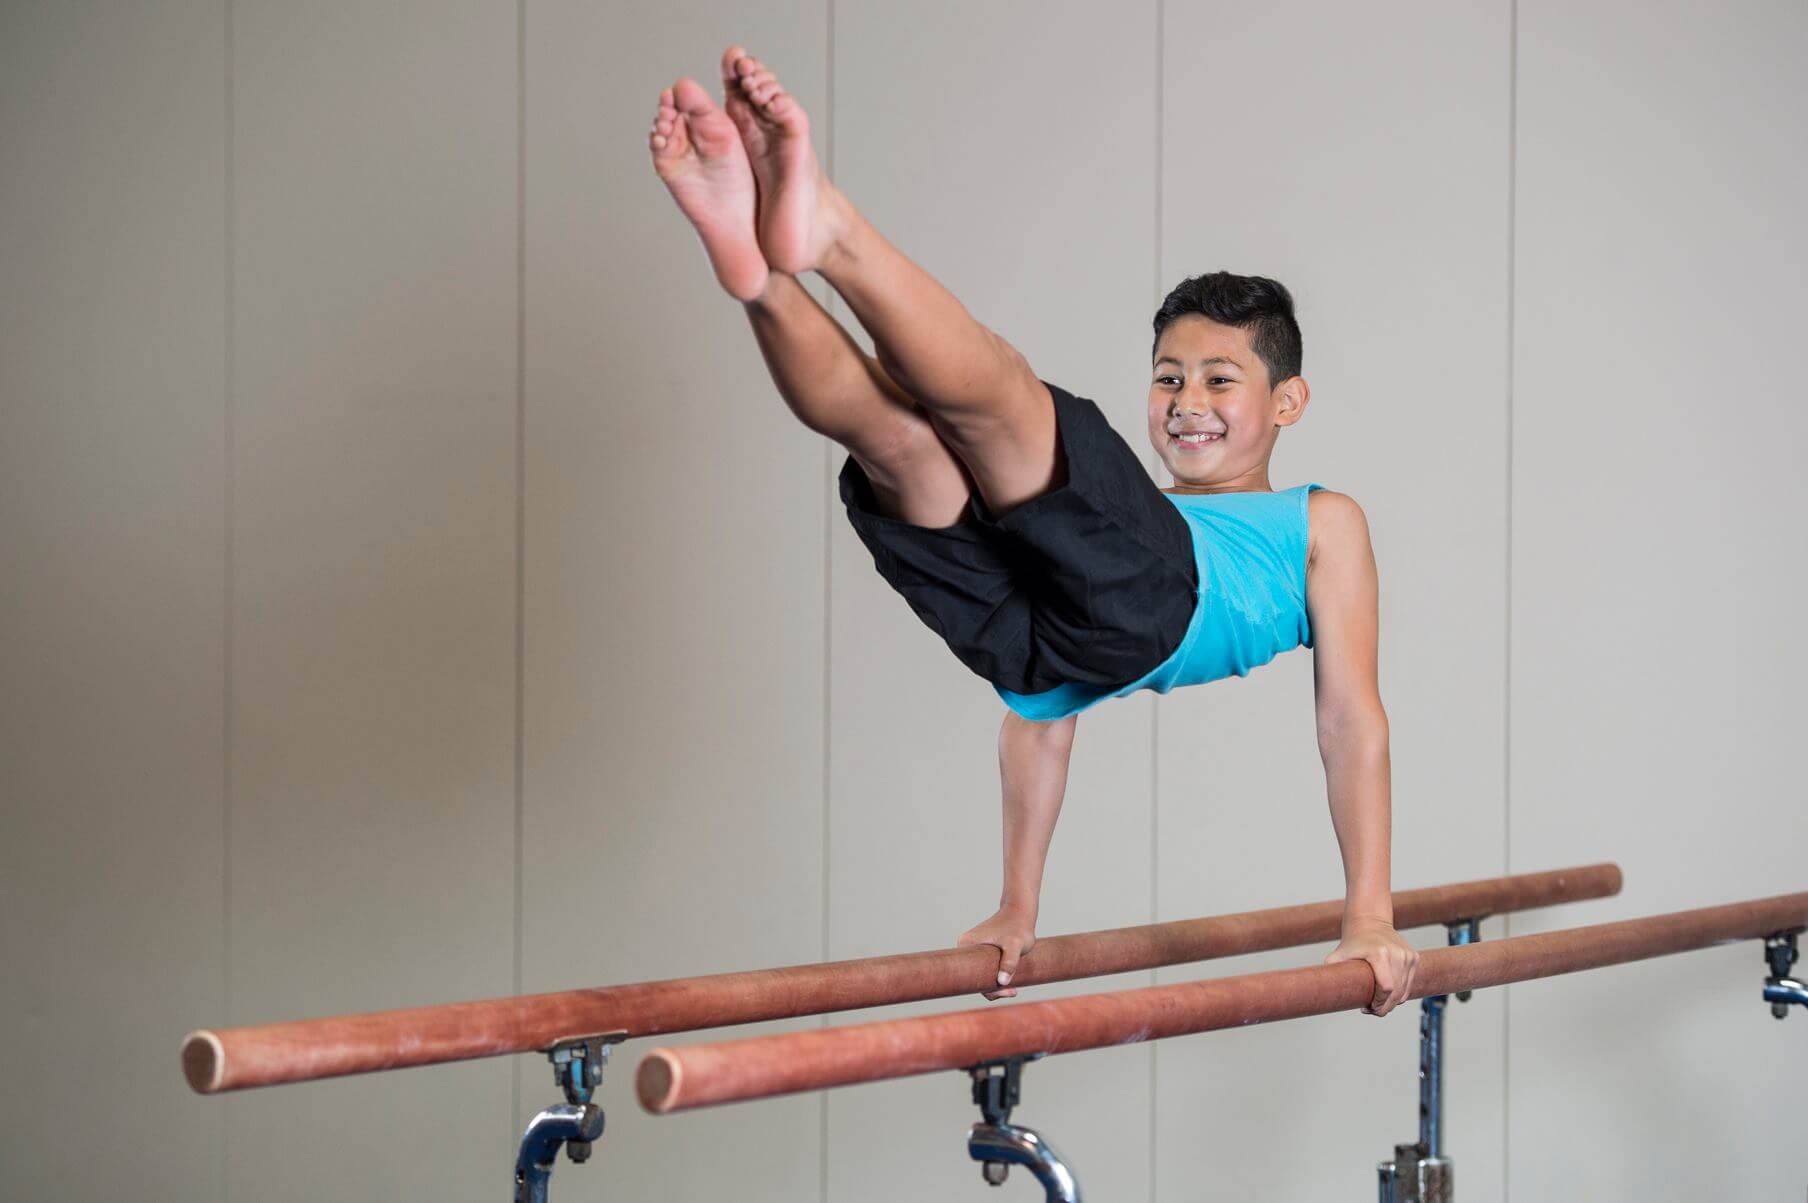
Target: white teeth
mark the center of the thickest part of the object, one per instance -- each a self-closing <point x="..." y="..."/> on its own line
<point x="1195" y="438"/>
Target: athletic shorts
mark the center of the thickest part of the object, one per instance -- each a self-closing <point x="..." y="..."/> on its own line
<point x="1091" y="583"/>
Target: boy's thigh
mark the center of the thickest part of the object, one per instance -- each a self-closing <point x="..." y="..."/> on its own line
<point x="958" y="579"/>
<point x="1090" y="582"/>
<point x="912" y="475"/>
<point x="1011" y="450"/>
<point x="1108" y="560"/>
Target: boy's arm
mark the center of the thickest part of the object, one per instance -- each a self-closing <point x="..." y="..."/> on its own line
<point x="1342" y="601"/>
<point x="1032" y="769"/>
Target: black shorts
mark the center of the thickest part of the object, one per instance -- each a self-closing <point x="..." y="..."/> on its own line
<point x="1091" y="583"/>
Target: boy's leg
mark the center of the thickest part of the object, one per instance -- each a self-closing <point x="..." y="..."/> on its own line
<point x="837" y="390"/>
<point x="831" y="385"/>
<point x="982" y="396"/>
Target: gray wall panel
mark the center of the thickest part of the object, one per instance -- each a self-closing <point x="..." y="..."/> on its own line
<point x="1360" y="157"/>
<point x="1657" y="553"/>
<point x="373" y="537"/>
<point x="545" y="656"/>
<point x="1008" y="148"/>
<point x="674" y="591"/>
<point x="111" y="481"/>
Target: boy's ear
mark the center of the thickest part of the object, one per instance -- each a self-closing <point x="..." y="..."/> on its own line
<point x="1291" y="399"/>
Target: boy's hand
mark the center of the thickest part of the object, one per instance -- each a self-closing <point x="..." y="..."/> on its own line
<point x="1388" y="954"/>
<point x="1013" y="933"/>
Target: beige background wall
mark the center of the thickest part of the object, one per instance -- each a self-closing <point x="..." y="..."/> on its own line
<point x="379" y="631"/>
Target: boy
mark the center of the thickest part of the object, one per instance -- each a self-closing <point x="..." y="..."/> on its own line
<point x="1020" y="527"/>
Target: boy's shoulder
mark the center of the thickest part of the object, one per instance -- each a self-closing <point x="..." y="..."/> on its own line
<point x="1333" y="520"/>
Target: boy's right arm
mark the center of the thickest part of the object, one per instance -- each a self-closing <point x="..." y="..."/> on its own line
<point x="1032" y="769"/>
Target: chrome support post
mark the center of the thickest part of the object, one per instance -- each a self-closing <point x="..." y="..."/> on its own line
<point x="998" y="1144"/>
<point x="577" y="1068"/>
<point x="1420" y="1173"/>
<point x="1431" y="1051"/>
<point x="1780" y="990"/>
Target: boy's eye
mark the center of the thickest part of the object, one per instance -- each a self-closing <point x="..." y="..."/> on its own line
<point x="1221" y="380"/>
<point x="1165" y="379"/>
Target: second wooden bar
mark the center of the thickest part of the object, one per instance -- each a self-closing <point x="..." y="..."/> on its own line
<point x="705" y="1074"/>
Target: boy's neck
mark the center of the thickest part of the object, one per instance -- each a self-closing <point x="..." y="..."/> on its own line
<point x="1254" y="481"/>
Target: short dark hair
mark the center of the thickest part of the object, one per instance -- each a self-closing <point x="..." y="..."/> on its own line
<point x="1257" y="304"/>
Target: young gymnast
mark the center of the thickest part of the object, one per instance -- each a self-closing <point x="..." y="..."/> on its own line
<point x="1020" y="527"/>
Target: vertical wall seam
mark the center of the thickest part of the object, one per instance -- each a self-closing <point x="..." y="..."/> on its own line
<point x="227" y="632"/>
<point x="520" y="732"/>
<point x="1155" y="702"/>
<point x="828" y="606"/>
<point x="1506" y="1067"/>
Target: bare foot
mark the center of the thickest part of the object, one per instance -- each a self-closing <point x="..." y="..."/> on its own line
<point x="801" y="217"/>
<point x="698" y="154"/>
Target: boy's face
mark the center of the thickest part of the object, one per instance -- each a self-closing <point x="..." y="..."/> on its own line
<point x="1213" y="418"/>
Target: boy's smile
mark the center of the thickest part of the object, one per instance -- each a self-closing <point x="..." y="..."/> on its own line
<point x="1213" y="418"/>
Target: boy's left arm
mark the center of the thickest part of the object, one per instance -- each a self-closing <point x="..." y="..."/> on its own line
<point x="1342" y="604"/>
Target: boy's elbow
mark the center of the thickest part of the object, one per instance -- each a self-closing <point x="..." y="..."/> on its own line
<point x="1354" y="727"/>
<point x="1053" y="733"/>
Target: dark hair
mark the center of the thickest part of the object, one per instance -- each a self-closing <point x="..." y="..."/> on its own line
<point x="1257" y="304"/>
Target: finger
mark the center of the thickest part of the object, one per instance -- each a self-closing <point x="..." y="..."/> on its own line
<point x="1386" y="985"/>
<point x="1403" y="974"/>
<point x="995" y="995"/>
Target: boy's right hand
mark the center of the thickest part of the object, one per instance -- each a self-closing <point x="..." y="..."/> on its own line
<point x="1013" y="933"/>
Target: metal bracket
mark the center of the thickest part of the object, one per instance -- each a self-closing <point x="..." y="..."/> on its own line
<point x="1780" y="990"/>
<point x="575" y="1124"/>
<point x="997" y="1144"/>
<point x="1464" y="931"/>
<point x="1414" y="1177"/>
<point x="998" y="1086"/>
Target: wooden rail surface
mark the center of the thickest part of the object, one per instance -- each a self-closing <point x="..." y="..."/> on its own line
<point x="679" y="1079"/>
<point x="303" y="1050"/>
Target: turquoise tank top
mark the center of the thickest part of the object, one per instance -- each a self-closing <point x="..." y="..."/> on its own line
<point x="1250" y="549"/>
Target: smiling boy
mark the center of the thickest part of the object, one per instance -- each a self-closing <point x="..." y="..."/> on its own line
<point x="1019" y="526"/>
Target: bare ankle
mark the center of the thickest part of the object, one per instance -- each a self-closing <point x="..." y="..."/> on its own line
<point x="845" y="226"/>
<point x="765" y="297"/>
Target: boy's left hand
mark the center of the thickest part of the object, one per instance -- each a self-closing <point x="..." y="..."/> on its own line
<point x="1388" y="954"/>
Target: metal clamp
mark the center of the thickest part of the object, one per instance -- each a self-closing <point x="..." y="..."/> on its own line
<point x="997" y="1144"/>
<point x="1464" y="931"/>
<point x="575" y="1124"/>
<point x="1779" y="989"/>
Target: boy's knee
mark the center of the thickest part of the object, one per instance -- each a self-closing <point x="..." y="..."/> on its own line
<point x="1015" y="410"/>
<point x="897" y="444"/>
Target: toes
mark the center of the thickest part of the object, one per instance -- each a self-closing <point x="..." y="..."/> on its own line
<point x="670" y="134"/>
<point x="746" y="77"/>
<point x="732" y="58"/>
<point x="763" y="89"/>
<point x="689" y="97"/>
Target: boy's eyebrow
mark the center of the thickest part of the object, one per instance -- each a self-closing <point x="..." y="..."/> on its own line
<point x="1202" y="363"/>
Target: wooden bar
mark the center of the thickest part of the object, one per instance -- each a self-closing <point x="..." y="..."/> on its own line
<point x="701" y="1075"/>
<point x="239" y="1058"/>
